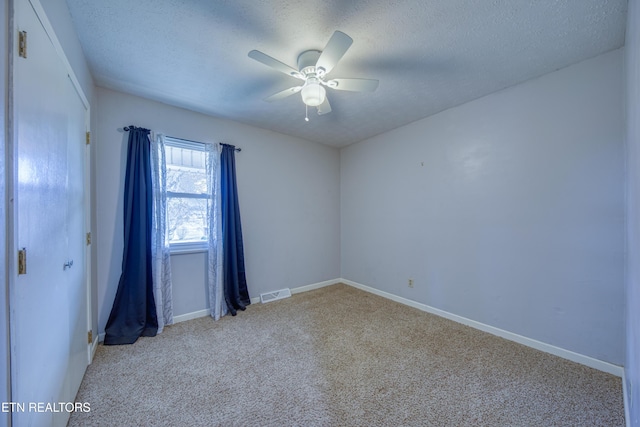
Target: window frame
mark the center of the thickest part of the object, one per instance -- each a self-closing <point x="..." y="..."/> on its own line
<point x="193" y="246"/>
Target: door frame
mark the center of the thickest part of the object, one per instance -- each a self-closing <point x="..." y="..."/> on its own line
<point x="5" y="138"/>
<point x="88" y="225"/>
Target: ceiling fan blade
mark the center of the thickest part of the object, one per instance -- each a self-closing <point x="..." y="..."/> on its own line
<point x="283" y="94"/>
<point x="325" y="107"/>
<point x="354" y="85"/>
<point x="338" y="44"/>
<point x="275" y="64"/>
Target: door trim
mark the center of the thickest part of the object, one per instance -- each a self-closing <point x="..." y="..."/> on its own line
<point x="6" y="41"/>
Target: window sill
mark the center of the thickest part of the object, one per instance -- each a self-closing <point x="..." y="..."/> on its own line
<point x="187" y="249"/>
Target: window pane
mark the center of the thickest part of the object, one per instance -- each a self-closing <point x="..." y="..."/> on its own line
<point x="186" y="180"/>
<point x="187" y="219"/>
<point x="186" y="171"/>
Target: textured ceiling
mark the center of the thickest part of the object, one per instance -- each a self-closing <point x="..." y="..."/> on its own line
<point x="429" y="55"/>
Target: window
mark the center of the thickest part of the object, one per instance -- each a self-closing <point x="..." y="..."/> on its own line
<point x="187" y="194"/>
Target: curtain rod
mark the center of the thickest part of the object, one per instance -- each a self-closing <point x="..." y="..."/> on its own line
<point x="127" y="128"/>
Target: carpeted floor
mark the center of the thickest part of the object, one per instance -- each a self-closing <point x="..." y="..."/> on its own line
<point x="338" y="356"/>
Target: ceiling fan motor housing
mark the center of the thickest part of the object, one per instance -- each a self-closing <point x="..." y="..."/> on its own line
<point x="307" y="62"/>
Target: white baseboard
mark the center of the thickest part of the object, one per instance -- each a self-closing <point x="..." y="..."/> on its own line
<point x="304" y="288"/>
<point x="94" y="347"/>
<point x="192" y="315"/>
<point x="626" y="399"/>
<point x="315" y="286"/>
<point x="538" y="345"/>
<point x="254" y="300"/>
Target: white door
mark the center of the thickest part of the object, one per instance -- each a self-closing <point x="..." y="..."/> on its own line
<point x="48" y="304"/>
<point x="76" y="239"/>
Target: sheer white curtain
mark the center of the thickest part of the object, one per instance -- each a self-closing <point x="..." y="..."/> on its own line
<point x="162" y="291"/>
<point x="214" y="213"/>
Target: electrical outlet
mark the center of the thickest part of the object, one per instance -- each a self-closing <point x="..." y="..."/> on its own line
<point x="411" y="283"/>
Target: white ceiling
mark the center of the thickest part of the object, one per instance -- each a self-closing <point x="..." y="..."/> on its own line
<point x="429" y="55"/>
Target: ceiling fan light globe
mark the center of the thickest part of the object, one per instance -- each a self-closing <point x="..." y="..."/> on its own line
<point x="313" y="94"/>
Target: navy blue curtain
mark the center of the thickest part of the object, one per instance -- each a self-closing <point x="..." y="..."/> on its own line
<point x="134" y="311"/>
<point x="236" y="294"/>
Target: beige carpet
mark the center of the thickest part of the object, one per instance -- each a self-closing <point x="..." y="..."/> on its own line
<point x="339" y="356"/>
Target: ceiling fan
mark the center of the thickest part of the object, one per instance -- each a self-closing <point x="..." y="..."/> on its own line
<point x="313" y="68"/>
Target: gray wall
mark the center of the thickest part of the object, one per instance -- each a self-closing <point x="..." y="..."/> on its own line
<point x="289" y="201"/>
<point x="507" y="210"/>
<point x="632" y="365"/>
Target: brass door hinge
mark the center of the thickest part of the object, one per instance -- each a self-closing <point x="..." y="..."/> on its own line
<point x="22" y="261"/>
<point x="90" y="337"/>
<point x="22" y="44"/>
<point x="88" y="136"/>
<point x="88" y="239"/>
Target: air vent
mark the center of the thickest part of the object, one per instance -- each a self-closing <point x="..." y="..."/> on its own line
<point x="276" y="295"/>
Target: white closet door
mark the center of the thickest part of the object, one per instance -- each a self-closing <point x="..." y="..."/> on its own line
<point x="48" y="304"/>
<point x="76" y="239"/>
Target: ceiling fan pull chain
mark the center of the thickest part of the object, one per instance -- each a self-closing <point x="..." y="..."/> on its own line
<point x="306" y="113"/>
